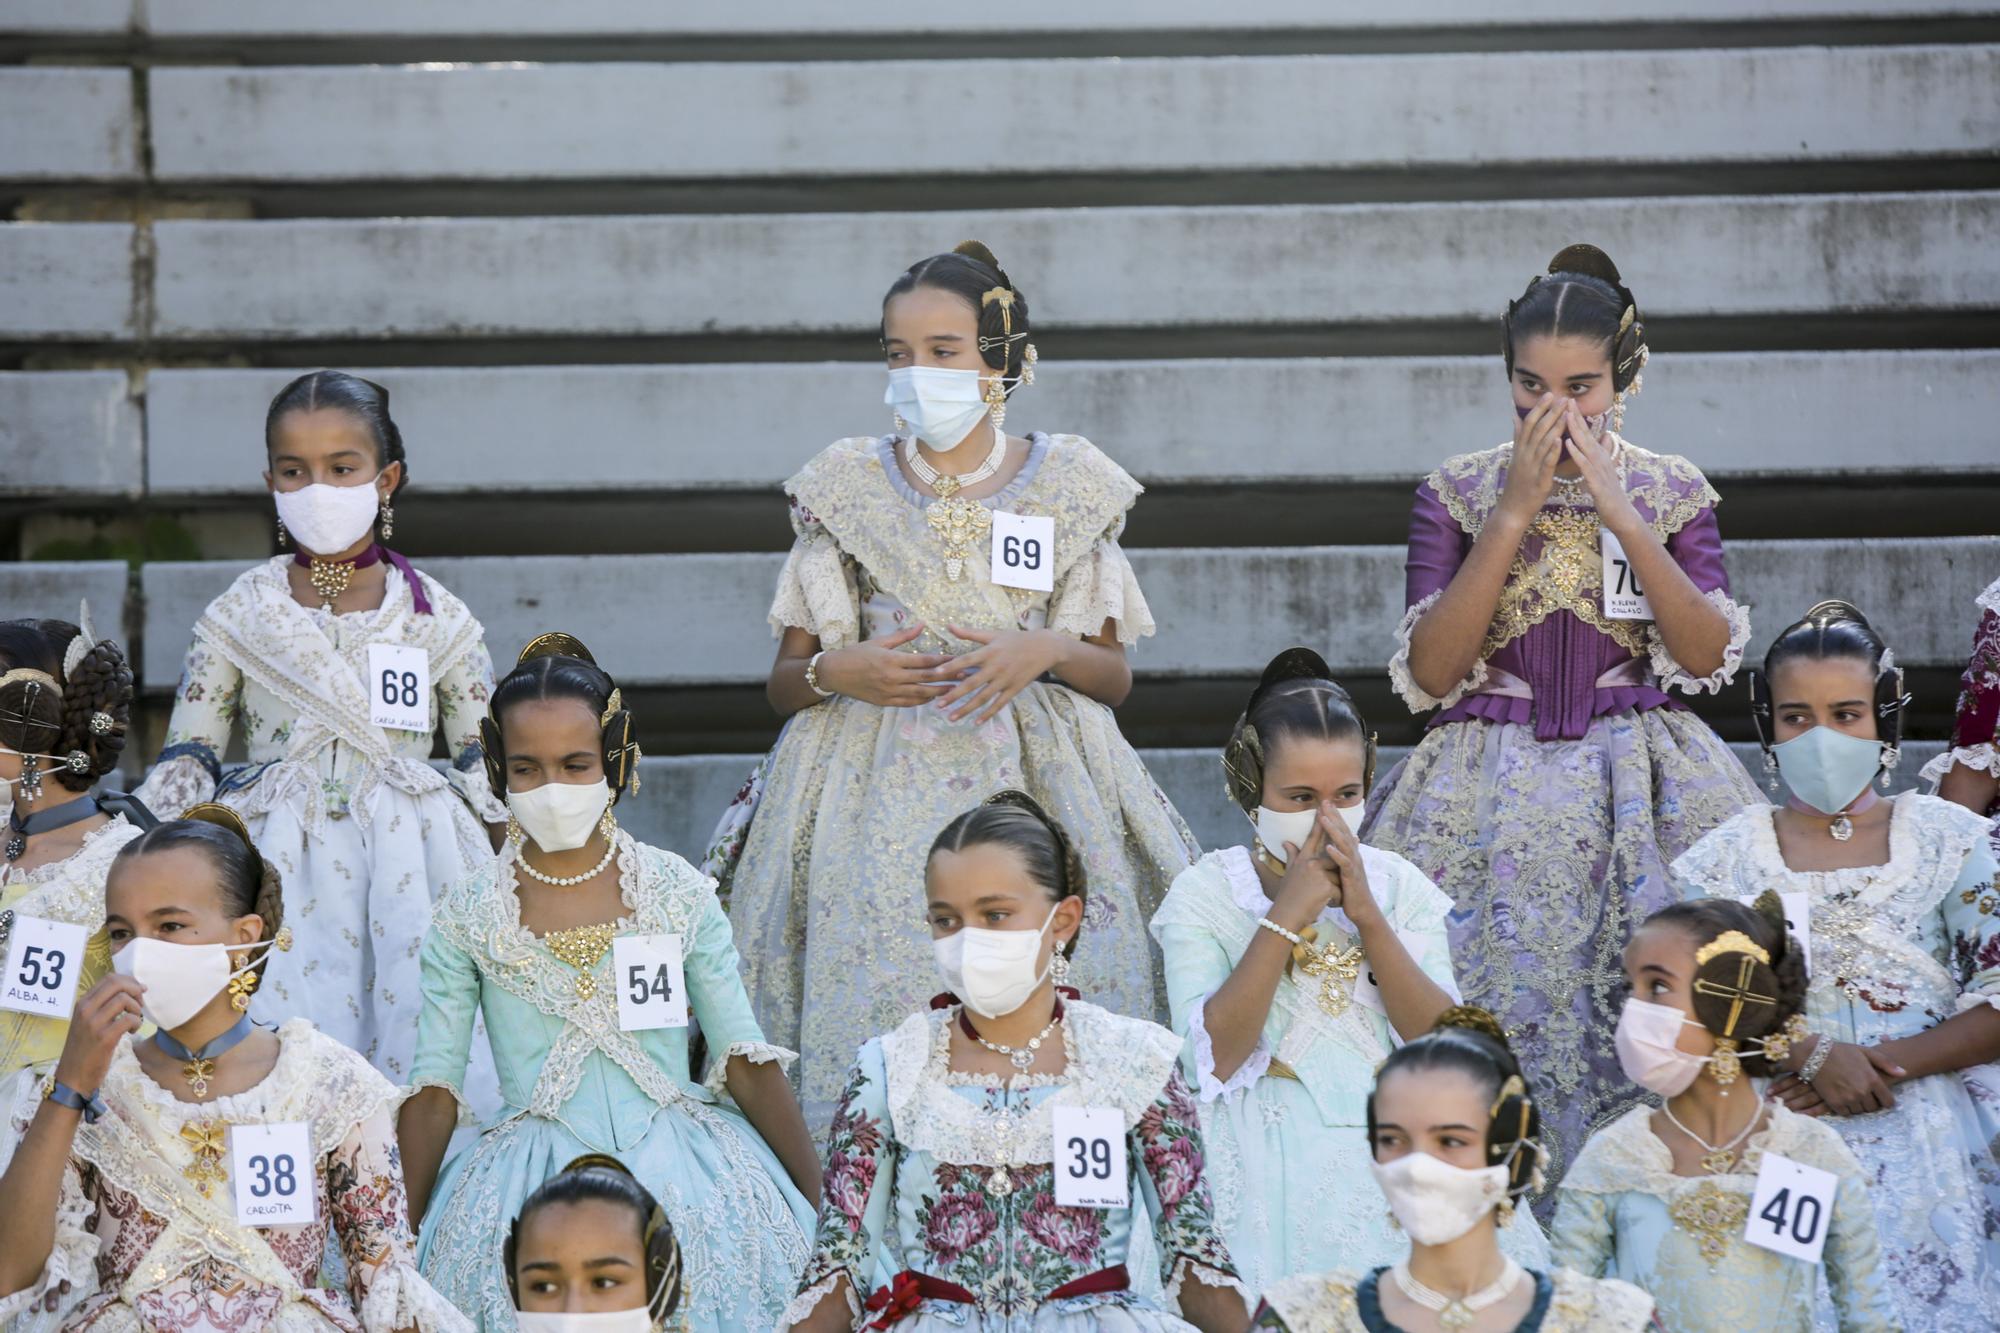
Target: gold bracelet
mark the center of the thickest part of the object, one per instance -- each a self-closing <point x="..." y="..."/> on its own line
<point x="812" y="676"/>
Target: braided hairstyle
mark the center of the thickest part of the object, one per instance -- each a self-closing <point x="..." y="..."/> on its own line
<point x="1297" y="696"/>
<point x="1734" y="971"/>
<point x="1470" y="1040"/>
<point x="244" y="880"/>
<point x="970" y="272"/>
<point x="84" y="713"/>
<point x="558" y="666"/>
<point x="1833" y="628"/>
<point x="597" y="1176"/>
<point x="1582" y="296"/>
<point x="365" y="400"/>
<point x="1015" y="819"/>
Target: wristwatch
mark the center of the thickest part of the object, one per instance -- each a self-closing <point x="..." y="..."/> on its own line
<point x="62" y="1094"/>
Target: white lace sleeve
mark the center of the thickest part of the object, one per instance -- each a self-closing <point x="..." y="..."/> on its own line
<point x="1983" y="758"/>
<point x="1674" y="676"/>
<point x="71" y="1268"/>
<point x="808" y="1300"/>
<point x="400" y="1299"/>
<point x="1099" y="587"/>
<point x="756" y="1052"/>
<point x="1207" y="1085"/>
<point x="176" y="784"/>
<point x="1399" y="666"/>
<point x="817" y="591"/>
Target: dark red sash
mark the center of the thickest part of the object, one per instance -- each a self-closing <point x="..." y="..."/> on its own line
<point x="900" y="1299"/>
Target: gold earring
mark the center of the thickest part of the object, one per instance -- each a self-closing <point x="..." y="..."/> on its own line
<point x="996" y="402"/>
<point x="240" y="988"/>
<point x="608" y="824"/>
<point x="515" y="834"/>
<point x="388" y="520"/>
<point x="1505" y="1211"/>
<point x="284" y="538"/>
<point x="1725" y="1065"/>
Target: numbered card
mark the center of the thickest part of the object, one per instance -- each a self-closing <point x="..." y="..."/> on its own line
<point x="271" y="1174"/>
<point x="651" y="990"/>
<point x="1798" y="922"/>
<point x="1092" y="1169"/>
<point x="1624" y="599"/>
<point x="399" y="687"/>
<point x="44" y="959"/>
<point x="1792" y="1208"/>
<point x="1024" y="551"/>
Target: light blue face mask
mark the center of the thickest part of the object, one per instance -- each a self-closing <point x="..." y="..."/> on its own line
<point x="1828" y="769"/>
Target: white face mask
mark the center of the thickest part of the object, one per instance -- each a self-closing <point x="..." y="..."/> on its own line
<point x="1646" y="1039"/>
<point x="942" y="406"/>
<point x="1275" y="828"/>
<point x="325" y="519"/>
<point x="1435" y="1201"/>
<point x="560" y="816"/>
<point x="180" y="979"/>
<point x="604" y="1321"/>
<point x="993" y="971"/>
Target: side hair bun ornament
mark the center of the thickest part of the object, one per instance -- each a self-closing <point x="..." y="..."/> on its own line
<point x="555" y="643"/>
<point x="80" y="646"/>
<point x="1731" y="941"/>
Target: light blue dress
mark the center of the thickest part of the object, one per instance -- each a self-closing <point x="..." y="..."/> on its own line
<point x="573" y="1082"/>
<point x="1287" y="1131"/>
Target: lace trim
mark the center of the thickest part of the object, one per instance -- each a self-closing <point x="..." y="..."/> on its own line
<point x="1595" y="1305"/>
<point x="1210" y="1089"/>
<point x="175" y="784"/>
<point x="1981" y="758"/>
<point x="808" y="1300"/>
<point x="817" y="591"/>
<point x="1971" y="1000"/>
<point x="1406" y="685"/>
<point x="1627" y="1155"/>
<point x="1317" y="1302"/>
<point x="468" y="778"/>
<point x="72" y="890"/>
<point x="1114" y="1061"/>
<point x="197" y="751"/>
<point x="1673" y="675"/>
<point x="1669" y="487"/>
<point x="465" y="1119"/>
<point x="1099" y="587"/>
<point x="756" y="1052"/>
<point x="1185" y="1268"/>
<point x="1989" y="600"/>
<point x="399" y="1298"/>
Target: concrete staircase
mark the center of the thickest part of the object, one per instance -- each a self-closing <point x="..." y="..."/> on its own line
<point x="619" y="263"/>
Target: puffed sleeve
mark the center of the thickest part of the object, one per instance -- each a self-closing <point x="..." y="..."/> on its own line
<point x="463" y="693"/>
<point x="1166" y="1145"/>
<point x="444" y="1025"/>
<point x="714" y="977"/>
<point x="207" y="705"/>
<point x="1196" y="966"/>
<point x="1972" y="923"/>
<point x="370" y="1215"/>
<point x="856" y="1193"/>
<point x="1853" y="1258"/>
<point x="1976" y="728"/>
<point x="1101" y="586"/>
<point x="1436" y="549"/>
<point x="1580" y="1237"/>
<point x="1697" y="549"/>
<point x="817" y="590"/>
<point x="71" y="1268"/>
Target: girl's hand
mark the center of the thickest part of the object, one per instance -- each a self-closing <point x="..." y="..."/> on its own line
<point x="1597" y="459"/>
<point x="105" y="1017"/>
<point x="1343" y="851"/>
<point x="1531" y="473"/>
<point x="1309" y="885"/>
<point x="875" y="673"/>
<point x="989" y="677"/>
<point x="1851" y="1082"/>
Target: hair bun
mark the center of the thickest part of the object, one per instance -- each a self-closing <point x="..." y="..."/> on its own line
<point x="977" y="250"/>
<point x="1835" y="610"/>
<point x="555" y="643"/>
<point x="1589" y="261"/>
<point x="597" y="1161"/>
<point x="1472" y="1018"/>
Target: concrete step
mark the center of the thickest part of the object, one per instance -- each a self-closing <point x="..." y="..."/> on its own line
<point x="70" y="435"/>
<point x="539" y="122"/>
<point x="68" y="124"/>
<point x="821" y="274"/>
<point x="1319" y="422"/>
<point x="70" y="280"/>
<point x="51" y="589"/>
<point x="692" y="620"/>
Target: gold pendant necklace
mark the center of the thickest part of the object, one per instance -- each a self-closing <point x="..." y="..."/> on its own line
<point x="959" y="524"/>
<point x="581" y="947"/>
<point x="330" y="579"/>
<point x="206" y="1140"/>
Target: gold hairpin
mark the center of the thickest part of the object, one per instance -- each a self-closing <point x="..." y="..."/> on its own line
<point x="612" y="707"/>
<point x="1625" y="320"/>
<point x="1731" y="941"/>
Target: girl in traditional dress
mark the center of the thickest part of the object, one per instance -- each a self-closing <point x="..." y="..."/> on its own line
<point x="1454" y="1140"/>
<point x="925" y="664"/>
<point x="962" y="1132"/>
<point x="1661" y="1197"/>
<point x="122" y="1199"/>
<point x="297" y="656"/>
<point x="531" y="940"/>
<point x="1560" y="778"/>
<point x="593" y="1252"/>
<point x="1294" y="965"/>
<point x="1899" y="912"/>
<point x="65" y="704"/>
<point x="1969" y="771"/>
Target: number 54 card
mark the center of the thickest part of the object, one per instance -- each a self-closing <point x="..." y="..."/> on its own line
<point x="651" y="990"/>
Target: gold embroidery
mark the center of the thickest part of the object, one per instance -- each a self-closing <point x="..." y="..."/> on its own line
<point x="1337" y="970"/>
<point x="581" y="947"/>
<point x="1713" y="1216"/>
<point x="206" y="1140"/>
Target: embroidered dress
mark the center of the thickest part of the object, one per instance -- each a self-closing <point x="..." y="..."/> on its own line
<point x="140" y="1245"/>
<point x="847" y="803"/>
<point x="1565" y="1302"/>
<point x="574" y="1082"/>
<point x="913" y="1149"/>
<point x="1622" y="1212"/>
<point x="72" y="891"/>
<point x="1287" y="1131"/>
<point x="1559" y="778"/>
<point x="362" y="828"/>
<point x="1896" y="949"/>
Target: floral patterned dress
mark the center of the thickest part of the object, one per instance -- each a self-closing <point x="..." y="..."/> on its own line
<point x="362" y="828"/>
<point x="914" y="1147"/>
<point x="1896" y="949"/>
<point x="1559" y="778"/>
<point x="820" y="858"/>
<point x="147" y="1238"/>
<point x="1347" y="1302"/>
<point x="1622" y="1212"/>
<point x="72" y="891"/>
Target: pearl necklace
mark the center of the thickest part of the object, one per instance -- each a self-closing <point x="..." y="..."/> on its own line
<point x="948" y="486"/>
<point x="1022" y="1058"/>
<point x="566" y="881"/>
<point x="1717" y="1158"/>
<point x="1455" y="1312"/>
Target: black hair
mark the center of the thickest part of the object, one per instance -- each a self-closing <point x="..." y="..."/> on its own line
<point x="596" y="1177"/>
<point x="1297" y="696"/>
<point x="1471" y="1041"/>
<point x="364" y="399"/>
<point x="1833" y="628"/>
<point x="567" y="672"/>
<point x="245" y="880"/>
<point x="970" y="272"/>
<point x="87" y="713"/>
<point x="1582" y="296"/>
<point x="1783" y="977"/>
<point x="1015" y="819"/>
